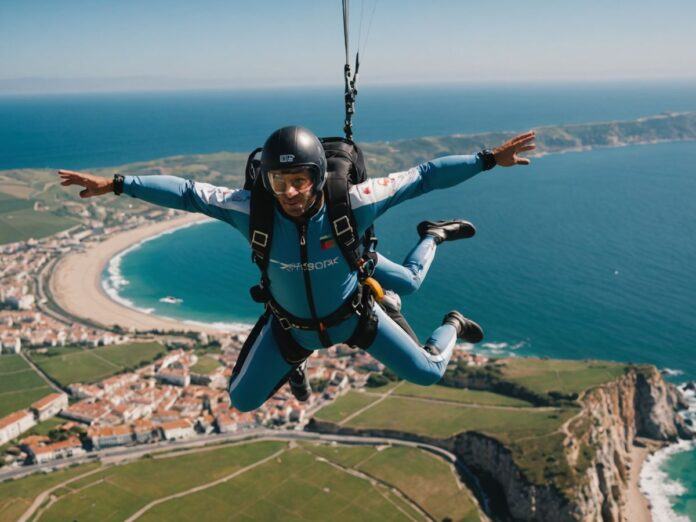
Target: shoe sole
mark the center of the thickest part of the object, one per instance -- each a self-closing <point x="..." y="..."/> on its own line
<point x="463" y="232"/>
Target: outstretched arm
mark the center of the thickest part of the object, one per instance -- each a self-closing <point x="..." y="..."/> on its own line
<point x="169" y="191"/>
<point x="375" y="196"/>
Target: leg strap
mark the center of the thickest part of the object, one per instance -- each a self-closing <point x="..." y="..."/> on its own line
<point x="399" y="319"/>
<point x="366" y="331"/>
<point x="290" y="349"/>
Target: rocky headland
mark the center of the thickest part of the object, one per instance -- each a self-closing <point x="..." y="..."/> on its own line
<point x="585" y="469"/>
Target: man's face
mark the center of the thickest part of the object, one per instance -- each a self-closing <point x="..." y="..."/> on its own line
<point x="293" y="189"/>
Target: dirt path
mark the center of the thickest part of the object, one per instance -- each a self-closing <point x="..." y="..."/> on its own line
<point x="202" y="487"/>
<point x="355" y="414"/>
<point x="41" y="498"/>
<point x="466" y="404"/>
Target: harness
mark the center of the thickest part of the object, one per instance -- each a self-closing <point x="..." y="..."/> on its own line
<point x="346" y="166"/>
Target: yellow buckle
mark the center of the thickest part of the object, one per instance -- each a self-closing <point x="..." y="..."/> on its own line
<point x="375" y="287"/>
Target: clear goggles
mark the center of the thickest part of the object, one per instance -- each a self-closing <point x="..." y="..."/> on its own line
<point x="301" y="180"/>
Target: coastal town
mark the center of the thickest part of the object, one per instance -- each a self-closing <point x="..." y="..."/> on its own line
<point x="172" y="397"/>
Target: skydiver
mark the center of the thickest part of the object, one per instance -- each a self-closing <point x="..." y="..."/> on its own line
<point x="318" y="300"/>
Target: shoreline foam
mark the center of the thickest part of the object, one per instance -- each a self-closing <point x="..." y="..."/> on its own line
<point x="655" y="483"/>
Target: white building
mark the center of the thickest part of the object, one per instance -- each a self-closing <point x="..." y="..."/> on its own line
<point x="14" y="424"/>
<point x="177" y="429"/>
<point x="10" y="345"/>
<point x="175" y="376"/>
<point x="58" y="450"/>
<point x="49" y="406"/>
<point x="109" y="436"/>
<point x="225" y="423"/>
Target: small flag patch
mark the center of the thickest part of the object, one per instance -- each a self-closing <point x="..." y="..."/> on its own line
<point x="327" y="242"/>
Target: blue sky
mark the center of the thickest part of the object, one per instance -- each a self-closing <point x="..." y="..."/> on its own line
<point x="215" y="43"/>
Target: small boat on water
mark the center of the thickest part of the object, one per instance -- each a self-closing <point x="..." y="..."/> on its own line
<point x="171" y="300"/>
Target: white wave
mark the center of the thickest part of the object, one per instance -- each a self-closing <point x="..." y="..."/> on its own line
<point x="500" y="349"/>
<point x="659" y="488"/>
<point x="690" y="397"/>
<point x="671" y="372"/>
<point x="226" y="327"/>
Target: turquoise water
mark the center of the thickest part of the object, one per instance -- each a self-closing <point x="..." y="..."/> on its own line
<point x="582" y="255"/>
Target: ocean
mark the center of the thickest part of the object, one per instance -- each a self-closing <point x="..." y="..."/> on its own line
<point x="581" y="255"/>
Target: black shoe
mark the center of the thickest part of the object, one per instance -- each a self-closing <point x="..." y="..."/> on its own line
<point x="467" y="329"/>
<point x="446" y="230"/>
<point x="299" y="383"/>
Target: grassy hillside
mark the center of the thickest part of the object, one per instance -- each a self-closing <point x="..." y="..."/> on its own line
<point x="19" y="221"/>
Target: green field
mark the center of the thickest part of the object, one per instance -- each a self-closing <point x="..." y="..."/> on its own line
<point x="295" y="486"/>
<point x="17" y="495"/>
<point x="353" y="401"/>
<point x="19" y="221"/>
<point x="429" y="481"/>
<point x="309" y="481"/>
<point x="70" y="364"/>
<point x="205" y="365"/>
<point x="20" y="386"/>
<point x="11" y="363"/>
<point x="442" y="420"/>
<point x="345" y="406"/>
<point x="547" y="375"/>
<point x="460" y="395"/>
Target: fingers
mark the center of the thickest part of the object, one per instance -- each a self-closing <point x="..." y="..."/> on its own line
<point x="522" y="161"/>
<point x="85" y="193"/>
<point x="527" y="136"/>
<point x="525" y="148"/>
<point x="69" y="177"/>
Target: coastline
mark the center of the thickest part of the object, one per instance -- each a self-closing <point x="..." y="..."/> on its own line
<point x="76" y="282"/>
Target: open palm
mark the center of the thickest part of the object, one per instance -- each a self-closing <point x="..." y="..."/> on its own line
<point x="507" y="154"/>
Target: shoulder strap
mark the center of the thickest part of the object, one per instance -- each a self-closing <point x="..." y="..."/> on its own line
<point x="343" y="225"/>
<point x="261" y="225"/>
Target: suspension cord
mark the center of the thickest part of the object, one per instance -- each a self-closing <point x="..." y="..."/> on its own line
<point x="349" y="79"/>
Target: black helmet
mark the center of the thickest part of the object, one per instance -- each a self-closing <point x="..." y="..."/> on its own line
<point x="292" y="147"/>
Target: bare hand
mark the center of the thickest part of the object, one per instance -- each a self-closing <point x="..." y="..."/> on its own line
<point x="506" y="154"/>
<point x="94" y="185"/>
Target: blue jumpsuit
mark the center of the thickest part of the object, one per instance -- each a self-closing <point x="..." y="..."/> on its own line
<point x="332" y="281"/>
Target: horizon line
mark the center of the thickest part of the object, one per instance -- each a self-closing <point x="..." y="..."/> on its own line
<point x="97" y="89"/>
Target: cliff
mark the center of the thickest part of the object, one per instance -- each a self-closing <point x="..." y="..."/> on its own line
<point x="584" y="471"/>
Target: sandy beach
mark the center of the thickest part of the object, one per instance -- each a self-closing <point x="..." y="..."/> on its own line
<point x="76" y="282"/>
<point x="638" y="508"/>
